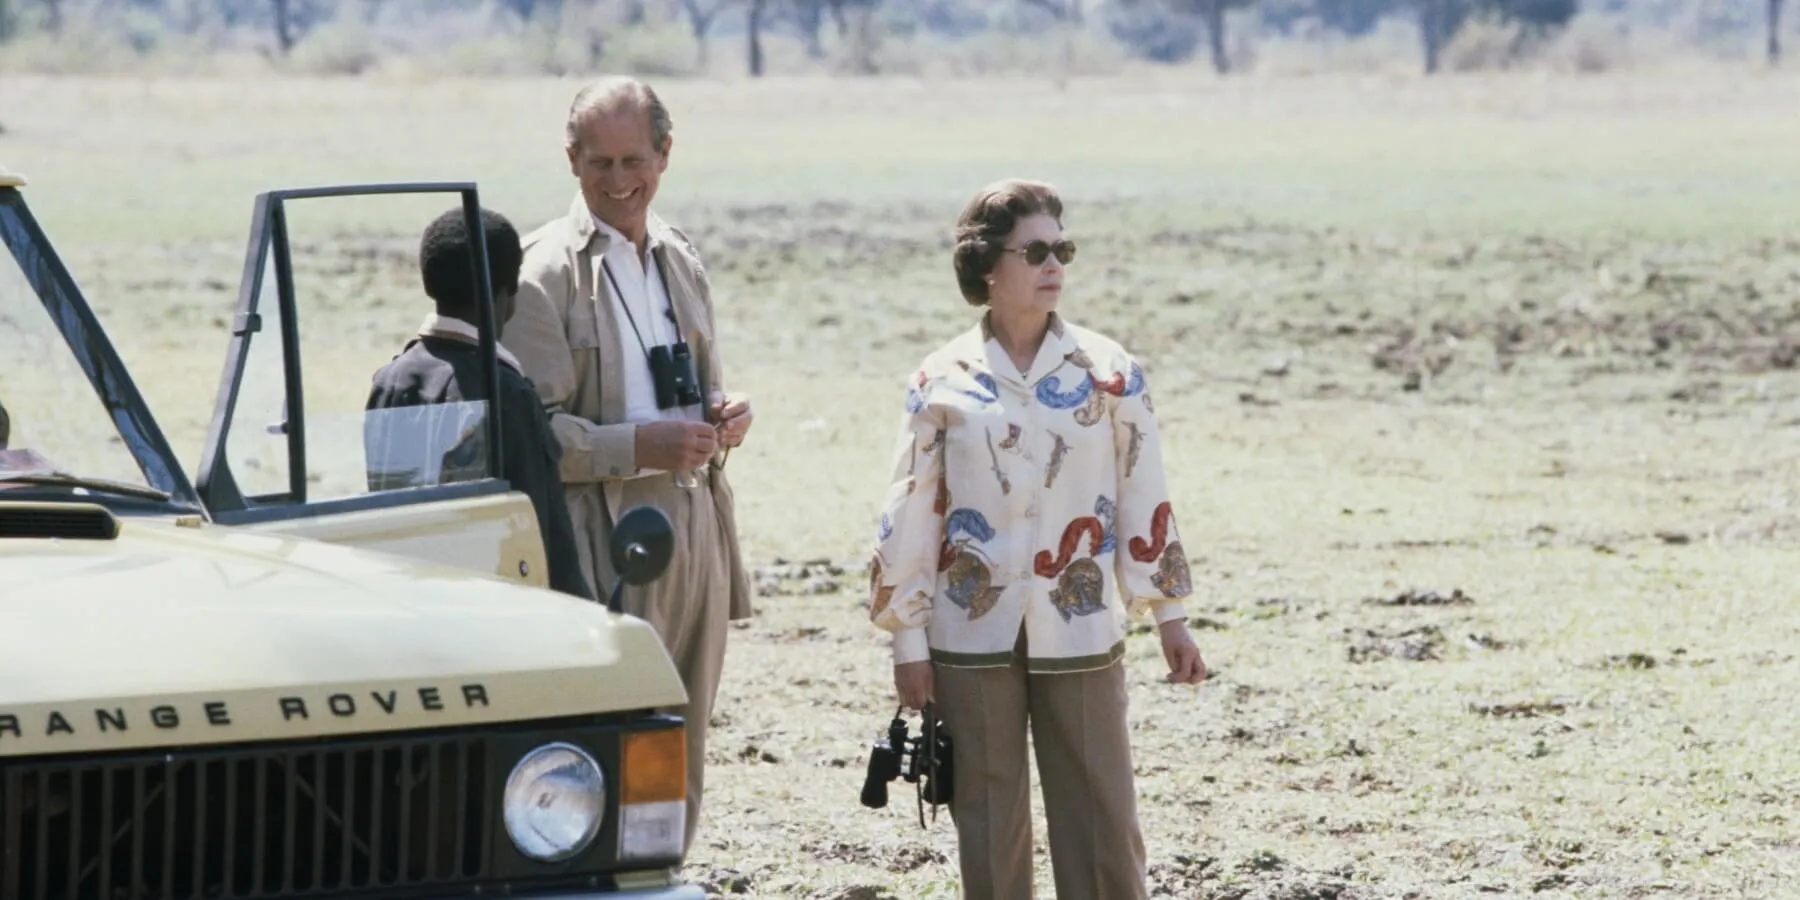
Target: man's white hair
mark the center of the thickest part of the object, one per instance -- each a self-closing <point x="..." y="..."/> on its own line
<point x="604" y="92"/>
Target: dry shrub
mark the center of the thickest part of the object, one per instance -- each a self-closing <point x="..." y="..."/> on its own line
<point x="1310" y="50"/>
<point x="337" y="48"/>
<point x="867" y="50"/>
<point x="1592" y="45"/>
<point x="131" y="41"/>
<point x="562" y="48"/>
<point x="1068" y="52"/>
<point x="653" y="51"/>
<point x="1485" y="46"/>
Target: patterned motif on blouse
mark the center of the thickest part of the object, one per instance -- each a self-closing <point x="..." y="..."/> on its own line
<point x="1038" y="499"/>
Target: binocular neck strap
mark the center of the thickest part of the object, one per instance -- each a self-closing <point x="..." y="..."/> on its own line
<point x="626" y="306"/>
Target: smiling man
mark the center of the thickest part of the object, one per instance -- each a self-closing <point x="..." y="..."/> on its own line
<point x="614" y="323"/>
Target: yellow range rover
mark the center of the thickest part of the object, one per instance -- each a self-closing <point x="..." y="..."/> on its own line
<point x="327" y="665"/>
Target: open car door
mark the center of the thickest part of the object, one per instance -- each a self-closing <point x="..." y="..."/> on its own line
<point x="291" y="448"/>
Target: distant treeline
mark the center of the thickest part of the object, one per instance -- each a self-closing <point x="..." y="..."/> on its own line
<point x="1159" y="31"/>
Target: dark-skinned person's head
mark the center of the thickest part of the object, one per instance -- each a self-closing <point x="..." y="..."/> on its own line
<point x="446" y="257"/>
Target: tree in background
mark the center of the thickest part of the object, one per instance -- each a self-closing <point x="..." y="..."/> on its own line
<point x="809" y="18"/>
<point x="1440" y="21"/>
<point x="1774" y="32"/>
<point x="1532" y="21"/>
<point x="1169" y="31"/>
<point x="753" y="26"/>
<point x="1165" y="31"/>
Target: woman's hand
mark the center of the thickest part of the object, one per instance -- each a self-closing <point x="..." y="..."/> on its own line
<point x="912" y="681"/>
<point x="1185" y="664"/>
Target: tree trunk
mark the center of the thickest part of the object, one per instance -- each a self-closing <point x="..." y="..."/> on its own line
<point x="837" y="14"/>
<point x="53" y="15"/>
<point x="701" y="20"/>
<point x="865" y="43"/>
<point x="809" y="18"/>
<point x="1431" y="25"/>
<point x="1775" y="32"/>
<point x="1215" y="31"/>
<point x="284" y="27"/>
<point x="755" y="29"/>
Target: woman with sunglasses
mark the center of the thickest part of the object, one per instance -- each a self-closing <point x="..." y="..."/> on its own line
<point x="1026" y="521"/>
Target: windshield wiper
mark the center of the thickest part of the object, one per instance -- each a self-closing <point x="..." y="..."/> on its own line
<point x="76" y="481"/>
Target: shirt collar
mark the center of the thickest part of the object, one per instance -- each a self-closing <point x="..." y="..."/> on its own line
<point x="455" y="329"/>
<point x="1058" y="344"/>
<point x="652" y="239"/>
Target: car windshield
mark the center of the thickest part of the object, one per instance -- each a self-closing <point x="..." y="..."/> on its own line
<point x="69" y="424"/>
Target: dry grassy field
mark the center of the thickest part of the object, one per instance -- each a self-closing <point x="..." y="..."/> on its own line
<point x="1481" y="397"/>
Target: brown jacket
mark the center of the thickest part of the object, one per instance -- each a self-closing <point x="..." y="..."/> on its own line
<point x="564" y="333"/>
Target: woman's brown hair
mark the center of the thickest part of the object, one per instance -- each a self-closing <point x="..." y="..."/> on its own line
<point x="986" y="222"/>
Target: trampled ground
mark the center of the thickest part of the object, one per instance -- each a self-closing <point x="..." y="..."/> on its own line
<point x="1481" y="396"/>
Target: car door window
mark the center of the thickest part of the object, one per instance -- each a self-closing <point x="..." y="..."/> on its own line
<point x="332" y="294"/>
<point x="258" y="444"/>
<point x="359" y="302"/>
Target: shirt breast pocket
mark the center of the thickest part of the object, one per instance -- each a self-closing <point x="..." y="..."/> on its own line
<point x="584" y="324"/>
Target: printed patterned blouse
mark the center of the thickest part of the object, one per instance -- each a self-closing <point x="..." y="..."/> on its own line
<point x="1037" y="499"/>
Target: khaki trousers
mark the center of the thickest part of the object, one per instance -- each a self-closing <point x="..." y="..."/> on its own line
<point x="688" y="607"/>
<point x="1078" y="728"/>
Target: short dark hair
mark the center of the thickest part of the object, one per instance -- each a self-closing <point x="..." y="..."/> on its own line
<point x="445" y="251"/>
<point x="985" y="223"/>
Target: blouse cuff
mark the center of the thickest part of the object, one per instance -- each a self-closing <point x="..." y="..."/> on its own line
<point x="1169" y="611"/>
<point x="910" y="646"/>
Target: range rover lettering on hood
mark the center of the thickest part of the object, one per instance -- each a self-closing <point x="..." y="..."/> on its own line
<point x="340" y="705"/>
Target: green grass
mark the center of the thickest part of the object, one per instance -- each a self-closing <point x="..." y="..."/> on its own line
<point x="1590" y="282"/>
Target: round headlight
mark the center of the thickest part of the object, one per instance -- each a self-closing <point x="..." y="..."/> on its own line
<point x="554" y="802"/>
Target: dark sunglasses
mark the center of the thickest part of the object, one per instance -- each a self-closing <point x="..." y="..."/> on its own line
<point x="1037" y="251"/>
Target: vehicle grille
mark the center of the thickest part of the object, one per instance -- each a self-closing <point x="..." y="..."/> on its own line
<point x="284" y="821"/>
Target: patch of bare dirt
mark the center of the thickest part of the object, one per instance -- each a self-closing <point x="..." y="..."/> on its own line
<point x="1262" y="875"/>
<point x="841" y="851"/>
<point x="910" y="858"/>
<point x="814" y="576"/>
<point x="1419" y="597"/>
<point x="855" y="892"/>
<point x="1418" y="644"/>
<point x="1528" y="709"/>
<point x="719" y="881"/>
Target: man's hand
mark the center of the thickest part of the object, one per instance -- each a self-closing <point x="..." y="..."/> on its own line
<point x="732" y="416"/>
<point x="675" y="446"/>
<point x="1185" y="664"/>
<point x="912" y="681"/>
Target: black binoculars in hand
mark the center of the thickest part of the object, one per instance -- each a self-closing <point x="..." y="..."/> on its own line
<point x="924" y="761"/>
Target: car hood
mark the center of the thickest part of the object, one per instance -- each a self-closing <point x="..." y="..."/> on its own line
<point x="174" y="635"/>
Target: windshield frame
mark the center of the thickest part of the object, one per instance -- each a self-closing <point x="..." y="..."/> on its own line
<point x="87" y="341"/>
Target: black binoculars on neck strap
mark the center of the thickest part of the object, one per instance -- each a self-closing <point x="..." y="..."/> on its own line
<point x="672" y="374"/>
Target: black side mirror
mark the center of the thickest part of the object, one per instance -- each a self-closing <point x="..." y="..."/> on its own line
<point x="642" y="543"/>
